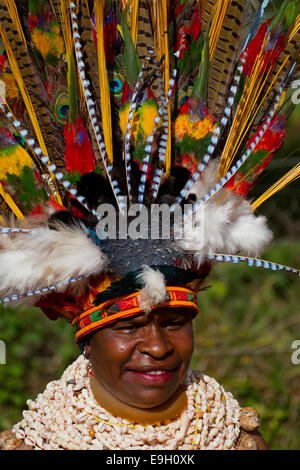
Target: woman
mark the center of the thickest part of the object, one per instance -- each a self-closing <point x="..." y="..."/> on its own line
<point x="193" y="140"/>
<point x="134" y="390"/>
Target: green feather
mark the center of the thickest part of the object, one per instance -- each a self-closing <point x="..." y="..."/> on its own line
<point x="73" y="105"/>
<point x="132" y="63"/>
<point x="290" y="13"/>
<point x="201" y="85"/>
<point x="36" y="6"/>
<point x="280" y="15"/>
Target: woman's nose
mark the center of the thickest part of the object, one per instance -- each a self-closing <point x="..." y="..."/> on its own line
<point x="155" y="343"/>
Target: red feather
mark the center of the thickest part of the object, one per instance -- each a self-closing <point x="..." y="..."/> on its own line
<point x="271" y="141"/>
<point x="273" y="49"/>
<point x="193" y="28"/>
<point x="78" y="151"/>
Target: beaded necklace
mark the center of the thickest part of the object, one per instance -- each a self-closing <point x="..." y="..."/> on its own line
<point x="66" y="416"/>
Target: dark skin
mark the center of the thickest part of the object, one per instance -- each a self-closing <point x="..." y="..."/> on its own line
<point x="133" y="348"/>
<point x="142" y="361"/>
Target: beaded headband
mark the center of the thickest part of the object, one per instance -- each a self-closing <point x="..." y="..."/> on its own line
<point x="128" y="306"/>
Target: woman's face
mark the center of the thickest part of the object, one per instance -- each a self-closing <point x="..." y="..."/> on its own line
<point x="143" y="360"/>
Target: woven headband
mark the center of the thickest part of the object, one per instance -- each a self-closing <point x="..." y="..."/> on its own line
<point x="128" y="306"/>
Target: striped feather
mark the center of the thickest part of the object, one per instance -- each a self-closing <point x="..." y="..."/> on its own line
<point x="224" y="42"/>
<point x="36" y="293"/>
<point x="252" y="262"/>
<point x="33" y="90"/>
<point x="89" y="49"/>
<point x="207" y="9"/>
<point x="145" y="39"/>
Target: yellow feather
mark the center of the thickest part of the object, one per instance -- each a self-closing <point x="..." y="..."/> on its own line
<point x="288" y="178"/>
<point x="37" y="162"/>
<point x="217" y="23"/>
<point x="104" y="85"/>
<point x="134" y="20"/>
<point x="67" y="34"/>
<point x="66" y="27"/>
<point x="10" y="202"/>
<point x="295" y="28"/>
<point x="158" y="28"/>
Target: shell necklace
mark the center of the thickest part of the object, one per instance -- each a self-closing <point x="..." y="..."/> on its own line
<point x="66" y="416"/>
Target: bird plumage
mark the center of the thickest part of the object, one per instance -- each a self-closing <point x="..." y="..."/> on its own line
<point x="156" y="99"/>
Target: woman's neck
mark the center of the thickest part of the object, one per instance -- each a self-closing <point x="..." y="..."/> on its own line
<point x="168" y="411"/>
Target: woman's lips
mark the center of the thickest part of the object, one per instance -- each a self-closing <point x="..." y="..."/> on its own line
<point x="154" y="376"/>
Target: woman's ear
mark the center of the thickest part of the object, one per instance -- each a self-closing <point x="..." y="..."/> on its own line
<point x="87" y="351"/>
<point x="87" y="348"/>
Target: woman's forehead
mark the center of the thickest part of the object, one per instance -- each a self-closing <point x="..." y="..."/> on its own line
<point x="160" y="314"/>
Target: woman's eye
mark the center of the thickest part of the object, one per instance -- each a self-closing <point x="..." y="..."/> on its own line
<point x="176" y="323"/>
<point x="127" y="328"/>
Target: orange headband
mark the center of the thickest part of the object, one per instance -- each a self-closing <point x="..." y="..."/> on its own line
<point x="123" y="307"/>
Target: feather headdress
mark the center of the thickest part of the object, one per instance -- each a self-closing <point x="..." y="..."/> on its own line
<point x="137" y="103"/>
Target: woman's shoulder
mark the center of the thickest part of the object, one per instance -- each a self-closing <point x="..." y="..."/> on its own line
<point x="9" y="441"/>
<point x="250" y="438"/>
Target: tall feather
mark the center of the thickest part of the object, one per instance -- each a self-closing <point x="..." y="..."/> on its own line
<point x="144" y="41"/>
<point x="90" y="57"/>
<point x="224" y="36"/>
<point x="103" y="81"/>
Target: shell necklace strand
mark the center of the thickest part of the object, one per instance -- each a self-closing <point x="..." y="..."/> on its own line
<point x="66" y="416"/>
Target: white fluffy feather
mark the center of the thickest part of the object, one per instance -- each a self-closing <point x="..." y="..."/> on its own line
<point x="154" y="288"/>
<point x="47" y="257"/>
<point x="224" y="224"/>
